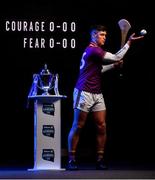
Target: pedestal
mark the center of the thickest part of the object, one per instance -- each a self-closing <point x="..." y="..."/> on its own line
<point x="47" y="132"/>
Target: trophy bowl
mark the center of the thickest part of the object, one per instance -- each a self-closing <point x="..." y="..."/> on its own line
<point x="45" y="80"/>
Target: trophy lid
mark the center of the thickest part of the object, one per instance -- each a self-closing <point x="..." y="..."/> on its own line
<point x="45" y="71"/>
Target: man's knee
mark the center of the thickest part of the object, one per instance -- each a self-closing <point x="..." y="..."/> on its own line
<point x="77" y="128"/>
<point x="101" y="128"/>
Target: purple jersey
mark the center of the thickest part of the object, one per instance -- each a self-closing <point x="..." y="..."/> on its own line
<point x="90" y="70"/>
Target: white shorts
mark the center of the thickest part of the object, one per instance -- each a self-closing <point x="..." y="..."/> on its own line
<point x="88" y="102"/>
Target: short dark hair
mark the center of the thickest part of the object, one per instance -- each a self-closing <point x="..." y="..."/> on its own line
<point x="98" y="27"/>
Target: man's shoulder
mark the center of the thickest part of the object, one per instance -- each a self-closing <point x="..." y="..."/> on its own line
<point x="94" y="50"/>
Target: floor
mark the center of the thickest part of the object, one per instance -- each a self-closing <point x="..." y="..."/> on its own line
<point x="86" y="171"/>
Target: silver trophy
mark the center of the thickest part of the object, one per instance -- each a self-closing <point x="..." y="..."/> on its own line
<point x="45" y="81"/>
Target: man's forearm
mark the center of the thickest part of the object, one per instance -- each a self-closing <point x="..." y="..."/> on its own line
<point x="110" y="58"/>
<point x="107" y="67"/>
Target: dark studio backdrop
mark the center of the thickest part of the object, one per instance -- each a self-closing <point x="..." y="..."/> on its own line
<point x="130" y="117"/>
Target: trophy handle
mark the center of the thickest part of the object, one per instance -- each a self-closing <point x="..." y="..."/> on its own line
<point x="56" y="90"/>
<point x="34" y="89"/>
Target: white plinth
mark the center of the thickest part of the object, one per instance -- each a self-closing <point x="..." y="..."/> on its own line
<point x="47" y="132"/>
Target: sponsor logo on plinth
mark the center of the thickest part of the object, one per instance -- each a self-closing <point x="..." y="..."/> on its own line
<point x="48" y="130"/>
<point x="48" y="109"/>
<point x="48" y="154"/>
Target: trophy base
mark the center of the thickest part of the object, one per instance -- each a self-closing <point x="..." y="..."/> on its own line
<point x="45" y="94"/>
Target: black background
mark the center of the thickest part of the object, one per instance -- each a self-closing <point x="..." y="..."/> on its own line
<point x="130" y="117"/>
